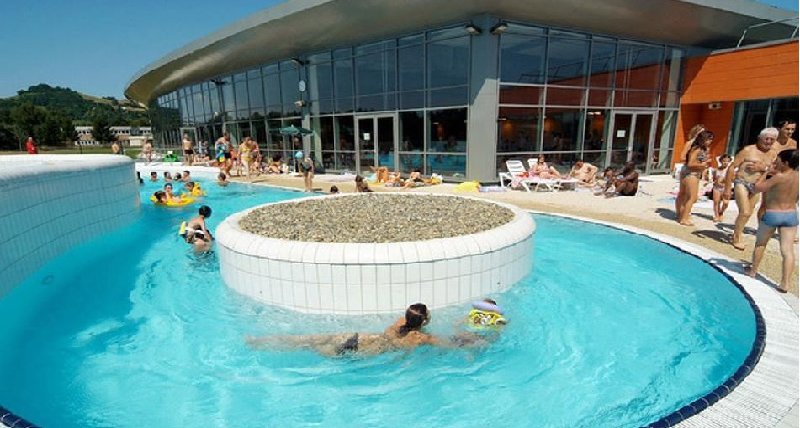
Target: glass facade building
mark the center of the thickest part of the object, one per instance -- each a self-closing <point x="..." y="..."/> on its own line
<point x="407" y="102"/>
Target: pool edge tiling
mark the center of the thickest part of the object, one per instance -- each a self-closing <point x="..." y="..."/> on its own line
<point x="375" y="278"/>
<point x="65" y="200"/>
<point x="759" y="396"/>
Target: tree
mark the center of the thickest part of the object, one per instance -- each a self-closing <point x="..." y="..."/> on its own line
<point x="68" y="132"/>
<point x="25" y="118"/>
<point x="101" y="129"/>
<point x="48" y="131"/>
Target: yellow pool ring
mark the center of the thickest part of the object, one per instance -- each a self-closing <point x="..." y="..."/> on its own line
<point x="185" y="200"/>
<point x="485" y="319"/>
<point x="197" y="191"/>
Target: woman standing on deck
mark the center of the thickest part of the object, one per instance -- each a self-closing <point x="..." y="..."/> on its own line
<point x="696" y="162"/>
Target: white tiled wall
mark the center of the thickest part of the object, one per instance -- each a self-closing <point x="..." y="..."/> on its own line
<point x="51" y="203"/>
<point x="366" y="278"/>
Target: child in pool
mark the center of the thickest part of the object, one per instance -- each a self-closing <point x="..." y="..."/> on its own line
<point x="197" y="234"/>
<point x="222" y="179"/>
<point x="161" y="197"/>
<point x="486" y="313"/>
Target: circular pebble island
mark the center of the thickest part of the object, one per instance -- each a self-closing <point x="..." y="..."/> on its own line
<point x="375" y="218"/>
<point x="356" y="254"/>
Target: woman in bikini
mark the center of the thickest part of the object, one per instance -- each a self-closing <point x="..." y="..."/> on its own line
<point x="405" y="333"/>
<point x="543" y="170"/>
<point x="696" y="162"/>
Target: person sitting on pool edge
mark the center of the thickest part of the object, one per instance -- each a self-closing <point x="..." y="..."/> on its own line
<point x="197" y="233"/>
<point x="361" y="185"/>
<point x="405" y="333"/>
<point x="222" y="179"/>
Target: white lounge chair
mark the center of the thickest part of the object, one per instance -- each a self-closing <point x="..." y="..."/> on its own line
<point x="551" y="184"/>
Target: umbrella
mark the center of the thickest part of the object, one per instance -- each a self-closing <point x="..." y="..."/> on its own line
<point x="293" y="130"/>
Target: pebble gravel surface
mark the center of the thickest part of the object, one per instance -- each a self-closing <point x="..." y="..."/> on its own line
<point x="375" y="218"/>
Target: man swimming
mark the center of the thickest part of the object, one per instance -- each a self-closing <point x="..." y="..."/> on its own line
<point x="405" y="333"/>
<point x="748" y="166"/>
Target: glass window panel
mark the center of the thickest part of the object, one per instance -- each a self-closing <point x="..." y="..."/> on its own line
<point x="567" y="59"/>
<point x="448" y="165"/>
<point x="254" y="74"/>
<point x="240" y="88"/>
<point x="410" y="40"/>
<point x="259" y="129"/>
<point x="319" y="57"/>
<point x="199" y="105"/>
<point x="321" y="81"/>
<point x="561" y="129"/>
<point x="342" y="53"/>
<point x="599" y="97"/>
<point x="669" y="99"/>
<point x="345" y="132"/>
<point x="344" y="105"/>
<point x="291" y="110"/>
<point x="522" y="58"/>
<point x="412" y="131"/>
<point x="635" y="98"/>
<point x="412" y="162"/>
<point x="639" y="66"/>
<point x="370" y="103"/>
<point x="409" y="100"/>
<point x="662" y="156"/>
<point x="272" y="89"/>
<point x="521" y="94"/>
<point x="290" y="78"/>
<point x="326" y="134"/>
<point x="238" y="77"/>
<point x="518" y="129"/>
<point x="412" y="71"/>
<point x="447" y="97"/>
<point x="272" y="68"/>
<point x="448" y="130"/>
<point x="448" y="62"/>
<point x="228" y="100"/>
<point x="324" y="106"/>
<point x="602" y="65"/>
<point x="195" y="88"/>
<point x="343" y="78"/>
<point x="375" y="73"/>
<point x="255" y="93"/>
<point x="446" y="33"/>
<point x="374" y="47"/>
<point x="564" y="96"/>
<point x="595" y="130"/>
<point x="525" y="29"/>
<point x="671" y="72"/>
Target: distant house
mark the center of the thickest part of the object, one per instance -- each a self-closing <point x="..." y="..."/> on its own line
<point x="133" y="136"/>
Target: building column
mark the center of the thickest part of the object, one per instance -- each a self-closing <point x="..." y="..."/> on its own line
<point x="483" y="91"/>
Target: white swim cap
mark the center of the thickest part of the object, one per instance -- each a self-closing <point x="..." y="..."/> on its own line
<point x="298" y="155"/>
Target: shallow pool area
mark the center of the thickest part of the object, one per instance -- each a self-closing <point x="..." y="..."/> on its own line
<point x="609" y="330"/>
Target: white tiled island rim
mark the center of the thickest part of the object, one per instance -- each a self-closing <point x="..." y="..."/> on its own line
<point x="366" y="278"/>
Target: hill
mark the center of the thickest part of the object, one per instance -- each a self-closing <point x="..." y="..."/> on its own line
<point x="81" y="108"/>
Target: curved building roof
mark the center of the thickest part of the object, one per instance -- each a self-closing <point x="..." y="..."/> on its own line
<point x="299" y="27"/>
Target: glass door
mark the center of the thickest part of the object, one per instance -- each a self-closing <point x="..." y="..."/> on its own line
<point x="376" y="143"/>
<point x="631" y="140"/>
<point x="366" y="144"/>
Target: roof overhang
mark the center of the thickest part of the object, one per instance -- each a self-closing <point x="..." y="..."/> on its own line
<point x="299" y="27"/>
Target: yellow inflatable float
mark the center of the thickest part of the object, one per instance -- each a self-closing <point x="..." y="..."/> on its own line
<point x="185" y="200"/>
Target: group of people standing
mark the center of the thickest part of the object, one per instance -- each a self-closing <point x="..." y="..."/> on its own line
<point x="768" y="166"/>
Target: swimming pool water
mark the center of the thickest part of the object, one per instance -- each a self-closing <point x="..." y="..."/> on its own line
<point x="132" y="329"/>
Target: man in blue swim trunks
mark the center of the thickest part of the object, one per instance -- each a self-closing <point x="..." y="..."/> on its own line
<point x="780" y="196"/>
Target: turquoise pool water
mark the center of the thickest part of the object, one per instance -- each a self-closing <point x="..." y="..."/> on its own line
<point x="132" y="329"/>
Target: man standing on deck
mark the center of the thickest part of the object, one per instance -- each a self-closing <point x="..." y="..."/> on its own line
<point x="780" y="198"/>
<point x="750" y="164"/>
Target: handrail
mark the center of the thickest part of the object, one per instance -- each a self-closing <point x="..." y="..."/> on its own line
<point x="744" y="33"/>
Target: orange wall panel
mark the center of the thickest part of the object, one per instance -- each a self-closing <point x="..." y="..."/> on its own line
<point x="746" y="74"/>
<point x="716" y="121"/>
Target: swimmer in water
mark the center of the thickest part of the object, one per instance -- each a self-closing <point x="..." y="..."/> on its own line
<point x="404" y="334"/>
<point x="197" y="234"/>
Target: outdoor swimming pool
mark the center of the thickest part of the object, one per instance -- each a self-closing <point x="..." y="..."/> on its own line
<point x="610" y="330"/>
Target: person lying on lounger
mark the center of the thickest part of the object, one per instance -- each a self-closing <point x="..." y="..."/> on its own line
<point x="585" y="173"/>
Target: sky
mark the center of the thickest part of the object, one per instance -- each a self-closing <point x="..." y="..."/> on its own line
<point x="96" y="46"/>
